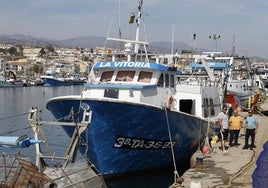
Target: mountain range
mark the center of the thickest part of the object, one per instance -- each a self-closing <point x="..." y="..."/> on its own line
<point x="95" y="41"/>
<point x="82" y="42"/>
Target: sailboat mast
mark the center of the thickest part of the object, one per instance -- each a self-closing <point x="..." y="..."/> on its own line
<point x="138" y="27"/>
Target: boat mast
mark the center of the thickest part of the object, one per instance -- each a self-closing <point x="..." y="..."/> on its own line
<point x="119" y="20"/>
<point x="128" y="45"/>
<point x="136" y="50"/>
<point x="233" y="50"/>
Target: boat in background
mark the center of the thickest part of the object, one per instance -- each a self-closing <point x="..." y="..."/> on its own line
<point x="52" y="78"/>
<point x="10" y="80"/>
<point x="140" y="112"/>
<point x="8" y="77"/>
<point x="238" y="83"/>
<point x="78" y="80"/>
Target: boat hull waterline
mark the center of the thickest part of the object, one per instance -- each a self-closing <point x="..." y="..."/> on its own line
<point x="56" y="82"/>
<point x="125" y="137"/>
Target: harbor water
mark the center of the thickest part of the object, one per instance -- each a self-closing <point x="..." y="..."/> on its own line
<point x="15" y="105"/>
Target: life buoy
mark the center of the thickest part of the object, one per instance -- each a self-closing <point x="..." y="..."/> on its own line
<point x="169" y="102"/>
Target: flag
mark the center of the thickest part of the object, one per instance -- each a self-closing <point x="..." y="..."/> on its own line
<point x="91" y="77"/>
<point x="131" y="19"/>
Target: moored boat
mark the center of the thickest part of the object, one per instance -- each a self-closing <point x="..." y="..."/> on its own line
<point x="142" y="117"/>
<point x="238" y="82"/>
<point x="51" y="78"/>
<point x="52" y="81"/>
<point x="7" y="81"/>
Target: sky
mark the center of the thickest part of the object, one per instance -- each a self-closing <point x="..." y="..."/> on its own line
<point x="239" y="23"/>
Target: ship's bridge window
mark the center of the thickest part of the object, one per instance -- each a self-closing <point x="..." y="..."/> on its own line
<point x="107" y="76"/>
<point x="166" y="80"/>
<point x="169" y="80"/>
<point x="125" y="76"/>
<point x="172" y="79"/>
<point x="145" y="77"/>
<point x="208" y="107"/>
<point x="160" y="82"/>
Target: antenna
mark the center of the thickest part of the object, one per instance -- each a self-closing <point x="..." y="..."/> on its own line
<point x="119" y="19"/>
<point x="138" y="26"/>
<point x="194" y="35"/>
<point x="233" y="50"/>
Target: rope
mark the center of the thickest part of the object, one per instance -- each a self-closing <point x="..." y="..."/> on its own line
<point x="14" y="116"/>
<point x="73" y="113"/>
<point x="239" y="172"/>
<point x="172" y="151"/>
<point x="199" y="137"/>
<point x="13" y="131"/>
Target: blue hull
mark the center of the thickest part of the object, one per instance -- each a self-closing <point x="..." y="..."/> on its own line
<point x="124" y="137"/>
<point x="56" y="82"/>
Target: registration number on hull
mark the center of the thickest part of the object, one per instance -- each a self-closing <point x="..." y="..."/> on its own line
<point x="137" y="143"/>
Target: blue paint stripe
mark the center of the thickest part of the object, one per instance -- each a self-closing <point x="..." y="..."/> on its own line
<point x="119" y="86"/>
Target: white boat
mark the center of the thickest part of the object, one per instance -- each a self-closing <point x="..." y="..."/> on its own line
<point x="142" y="117"/>
<point x="238" y="83"/>
<point x="7" y="81"/>
<point x="8" y="77"/>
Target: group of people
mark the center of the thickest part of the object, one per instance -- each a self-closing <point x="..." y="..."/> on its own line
<point x="230" y="126"/>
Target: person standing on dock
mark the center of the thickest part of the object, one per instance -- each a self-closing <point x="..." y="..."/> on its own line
<point x="224" y="128"/>
<point x="235" y="124"/>
<point x="252" y="123"/>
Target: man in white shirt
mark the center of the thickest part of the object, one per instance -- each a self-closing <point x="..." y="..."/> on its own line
<point x="224" y="128"/>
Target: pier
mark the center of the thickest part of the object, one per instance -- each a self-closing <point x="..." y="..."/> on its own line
<point x="232" y="169"/>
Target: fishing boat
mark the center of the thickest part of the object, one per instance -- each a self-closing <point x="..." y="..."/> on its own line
<point x="143" y="118"/>
<point x="78" y="79"/>
<point x="8" y="77"/>
<point x="51" y="78"/>
<point x="238" y="83"/>
<point x="9" y="80"/>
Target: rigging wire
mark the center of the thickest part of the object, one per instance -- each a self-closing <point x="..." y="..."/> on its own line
<point x="26" y="113"/>
<point x="14" y="116"/>
<point x="13" y="131"/>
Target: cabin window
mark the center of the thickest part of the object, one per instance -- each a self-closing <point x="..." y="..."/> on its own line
<point x="160" y="82"/>
<point x="205" y="101"/>
<point x="145" y="77"/>
<point x="208" y="107"/>
<point x="172" y="80"/>
<point x="212" y="110"/>
<point x="107" y="76"/>
<point x="125" y="76"/>
<point x="166" y="80"/>
<point x="111" y="93"/>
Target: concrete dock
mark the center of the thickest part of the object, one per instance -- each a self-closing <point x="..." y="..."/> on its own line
<point x="233" y="169"/>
